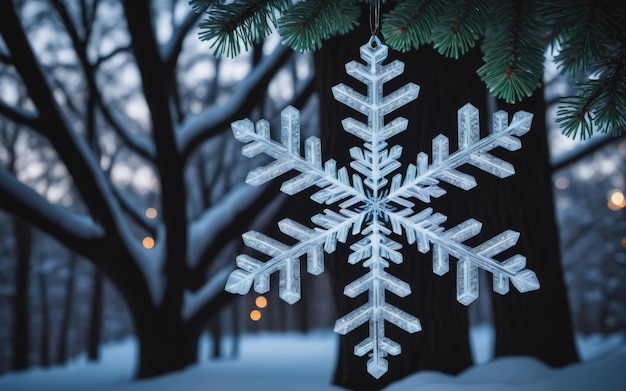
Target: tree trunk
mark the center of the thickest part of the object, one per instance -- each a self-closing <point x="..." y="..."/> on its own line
<point x="44" y="339"/>
<point x="95" y="317"/>
<point x="535" y="323"/>
<point x="236" y="330"/>
<point x="68" y="303"/>
<point x="446" y="85"/>
<point x="215" y="329"/>
<point x="166" y="343"/>
<point x="21" y="310"/>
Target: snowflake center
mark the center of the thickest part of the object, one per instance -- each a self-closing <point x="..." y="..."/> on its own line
<point x="376" y="206"/>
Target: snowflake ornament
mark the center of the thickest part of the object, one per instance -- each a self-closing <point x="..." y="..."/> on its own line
<point x="376" y="206"/>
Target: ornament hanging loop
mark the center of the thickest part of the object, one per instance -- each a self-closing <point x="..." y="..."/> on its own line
<point x="375" y="17"/>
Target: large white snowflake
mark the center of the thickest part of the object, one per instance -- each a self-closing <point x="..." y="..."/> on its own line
<point x="369" y="206"/>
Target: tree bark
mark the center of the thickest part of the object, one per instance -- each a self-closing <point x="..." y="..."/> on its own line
<point x="68" y="304"/>
<point x="21" y="307"/>
<point x="166" y="343"/>
<point x="236" y="330"/>
<point x="95" y="317"/>
<point x="215" y="329"/>
<point x="44" y="339"/>
<point x="535" y="323"/>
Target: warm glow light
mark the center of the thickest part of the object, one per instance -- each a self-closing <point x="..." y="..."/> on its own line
<point x="624" y="241"/>
<point x="261" y="302"/>
<point x="616" y="200"/>
<point x="151" y="213"/>
<point x="255" y="315"/>
<point x="562" y="183"/>
<point x="148" y="242"/>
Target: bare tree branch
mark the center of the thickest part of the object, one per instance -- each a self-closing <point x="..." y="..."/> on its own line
<point x="69" y="26"/>
<point x="88" y="176"/>
<point x="138" y="217"/>
<point x="20" y="116"/>
<point x="60" y="223"/>
<point x="571" y="157"/>
<point x="5" y="59"/>
<point x="110" y="55"/>
<point x="212" y="121"/>
<point x="171" y="50"/>
<point x="137" y="144"/>
<point x="230" y="227"/>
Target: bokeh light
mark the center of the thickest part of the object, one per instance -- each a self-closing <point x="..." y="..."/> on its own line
<point x="261" y="302"/>
<point x="255" y="315"/>
<point x="151" y="213"/>
<point x="561" y="183"/>
<point x="148" y="242"/>
<point x="616" y="200"/>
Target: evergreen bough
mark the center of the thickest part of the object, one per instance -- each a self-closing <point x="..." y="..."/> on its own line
<point x="588" y="37"/>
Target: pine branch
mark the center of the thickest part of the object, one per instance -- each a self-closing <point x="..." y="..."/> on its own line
<point x="593" y="41"/>
<point x="586" y="33"/>
<point x="461" y="25"/>
<point x="201" y="6"/>
<point x="600" y="104"/>
<point x="410" y="23"/>
<point x="239" y="24"/>
<point x="583" y="35"/>
<point x="513" y="50"/>
<point x="304" y="26"/>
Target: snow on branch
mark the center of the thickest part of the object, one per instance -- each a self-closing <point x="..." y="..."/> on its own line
<point x="206" y="228"/>
<point x="213" y="120"/>
<point x="132" y="140"/>
<point x="62" y="224"/>
<point x="194" y="301"/>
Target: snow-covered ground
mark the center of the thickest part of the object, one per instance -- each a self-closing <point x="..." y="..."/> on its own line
<point x="304" y="362"/>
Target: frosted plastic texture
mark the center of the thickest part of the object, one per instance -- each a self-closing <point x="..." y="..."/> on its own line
<point x="376" y="207"/>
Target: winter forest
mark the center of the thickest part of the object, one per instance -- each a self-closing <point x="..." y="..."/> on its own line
<point x="123" y="203"/>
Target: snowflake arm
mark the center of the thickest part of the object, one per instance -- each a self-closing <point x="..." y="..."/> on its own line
<point x="423" y="228"/>
<point x="376" y="249"/>
<point x="421" y="180"/>
<point x="375" y="162"/>
<point x="285" y="259"/>
<point x="334" y="183"/>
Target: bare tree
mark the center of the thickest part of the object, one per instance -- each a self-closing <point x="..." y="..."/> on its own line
<point x="165" y="287"/>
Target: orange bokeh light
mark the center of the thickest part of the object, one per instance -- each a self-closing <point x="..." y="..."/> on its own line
<point x="261" y="302"/>
<point x="616" y="200"/>
<point x="148" y="242"/>
<point x="255" y="315"/>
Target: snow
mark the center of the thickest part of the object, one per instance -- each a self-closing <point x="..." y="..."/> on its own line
<point x="305" y="362"/>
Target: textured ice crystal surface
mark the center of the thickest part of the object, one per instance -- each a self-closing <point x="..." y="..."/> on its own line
<point x="368" y="203"/>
